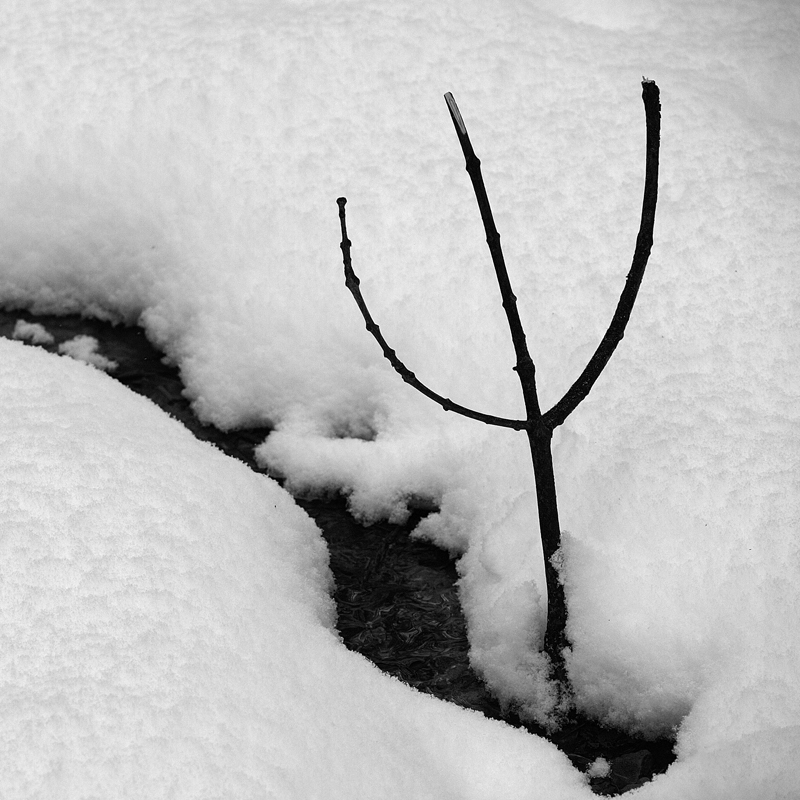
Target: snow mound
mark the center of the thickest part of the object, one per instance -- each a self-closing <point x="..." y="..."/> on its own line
<point x="166" y="628"/>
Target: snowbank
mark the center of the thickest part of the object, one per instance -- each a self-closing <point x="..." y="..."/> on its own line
<point x="166" y="628"/>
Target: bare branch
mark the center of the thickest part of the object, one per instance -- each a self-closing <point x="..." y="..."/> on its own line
<point x="538" y="427"/>
<point x="644" y="242"/>
<point x="352" y="282"/>
<point x="524" y="368"/>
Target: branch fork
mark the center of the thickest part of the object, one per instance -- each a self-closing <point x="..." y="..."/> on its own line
<point x="538" y="426"/>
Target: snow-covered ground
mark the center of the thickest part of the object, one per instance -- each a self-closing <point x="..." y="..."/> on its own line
<point x="166" y="629"/>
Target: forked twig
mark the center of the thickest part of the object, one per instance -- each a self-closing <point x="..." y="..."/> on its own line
<point x="539" y="427"/>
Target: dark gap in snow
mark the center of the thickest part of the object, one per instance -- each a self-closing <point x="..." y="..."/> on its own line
<point x="396" y="597"/>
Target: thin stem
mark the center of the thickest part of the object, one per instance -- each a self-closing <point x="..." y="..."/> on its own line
<point x="555" y="637"/>
<point x="644" y="242"/>
<point x="352" y="282"/>
<point x="525" y="368"/>
<point x="539" y="434"/>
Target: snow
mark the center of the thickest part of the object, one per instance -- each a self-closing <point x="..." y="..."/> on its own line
<point x="599" y="767"/>
<point x="167" y="629"/>
<point x="84" y="348"/>
<point x="33" y="332"/>
<point x="178" y="168"/>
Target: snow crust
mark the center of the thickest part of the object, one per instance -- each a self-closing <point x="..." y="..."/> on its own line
<point x="178" y="167"/>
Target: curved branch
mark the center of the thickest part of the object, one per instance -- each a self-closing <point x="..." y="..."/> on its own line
<point x="351" y="281"/>
<point x="644" y="242"/>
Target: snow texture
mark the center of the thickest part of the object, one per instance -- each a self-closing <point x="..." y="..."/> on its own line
<point x="178" y="167"/>
<point x="166" y="628"/>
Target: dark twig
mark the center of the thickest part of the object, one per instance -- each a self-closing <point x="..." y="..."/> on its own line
<point x="524" y="368"/>
<point x="352" y="282"/>
<point x="538" y="427"/>
<point x="644" y="242"/>
<point x="539" y="433"/>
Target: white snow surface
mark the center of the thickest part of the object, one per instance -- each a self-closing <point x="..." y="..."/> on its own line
<point x="167" y="630"/>
<point x="177" y="166"/>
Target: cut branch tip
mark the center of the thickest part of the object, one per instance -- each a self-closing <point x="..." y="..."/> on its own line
<point x="455" y="113"/>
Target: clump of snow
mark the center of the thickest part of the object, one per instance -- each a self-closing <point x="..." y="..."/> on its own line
<point x="33" y="332"/>
<point x="84" y="348"/>
<point x="599" y="768"/>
